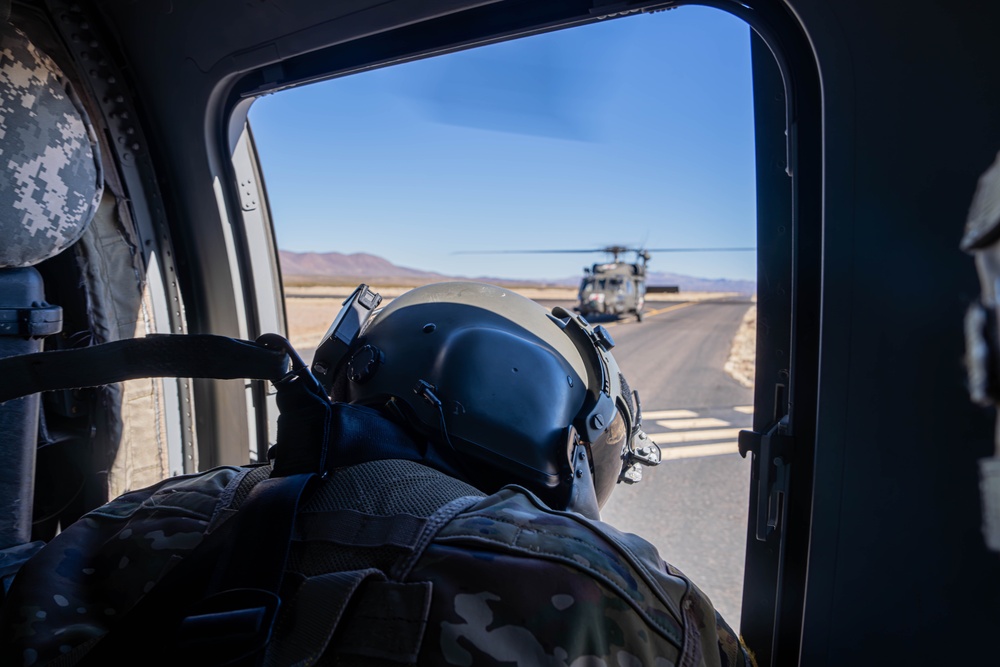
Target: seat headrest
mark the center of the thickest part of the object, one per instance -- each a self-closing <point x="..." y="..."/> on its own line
<point x="52" y="176"/>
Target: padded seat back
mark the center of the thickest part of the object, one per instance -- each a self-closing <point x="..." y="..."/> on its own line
<point x="53" y="179"/>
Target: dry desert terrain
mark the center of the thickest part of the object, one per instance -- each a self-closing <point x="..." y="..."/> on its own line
<point x="311" y="309"/>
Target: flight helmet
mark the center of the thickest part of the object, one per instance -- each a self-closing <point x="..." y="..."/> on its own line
<point x="517" y="394"/>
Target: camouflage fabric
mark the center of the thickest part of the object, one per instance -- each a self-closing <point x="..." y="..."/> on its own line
<point x="511" y="581"/>
<point x="49" y="154"/>
<point x="515" y="582"/>
<point x="72" y="591"/>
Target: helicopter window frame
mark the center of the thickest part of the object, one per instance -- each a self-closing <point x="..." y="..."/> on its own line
<point x="775" y="576"/>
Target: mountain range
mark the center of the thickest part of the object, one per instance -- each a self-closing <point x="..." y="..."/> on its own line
<point x="334" y="268"/>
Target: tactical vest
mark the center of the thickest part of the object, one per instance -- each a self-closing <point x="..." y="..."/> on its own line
<point x="384" y="563"/>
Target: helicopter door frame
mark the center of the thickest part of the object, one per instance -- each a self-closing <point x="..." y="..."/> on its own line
<point x="789" y="171"/>
<point x="789" y="168"/>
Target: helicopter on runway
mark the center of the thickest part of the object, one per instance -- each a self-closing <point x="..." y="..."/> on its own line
<point x="614" y="288"/>
<point x="617" y="288"/>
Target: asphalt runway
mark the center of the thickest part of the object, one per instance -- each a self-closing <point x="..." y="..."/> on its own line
<point x="693" y="506"/>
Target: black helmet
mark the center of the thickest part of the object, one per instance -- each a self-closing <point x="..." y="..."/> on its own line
<point x="521" y="395"/>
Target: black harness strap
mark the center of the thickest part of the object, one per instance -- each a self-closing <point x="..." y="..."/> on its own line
<point x="156" y="355"/>
<point x="239" y="567"/>
<point x="387" y="622"/>
<point x="234" y="623"/>
<point x="388" y="618"/>
<point x="315" y="613"/>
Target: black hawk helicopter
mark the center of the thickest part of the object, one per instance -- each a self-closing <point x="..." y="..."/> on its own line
<point x="616" y="288"/>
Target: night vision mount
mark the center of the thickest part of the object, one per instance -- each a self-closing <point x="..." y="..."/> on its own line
<point x="347" y="326"/>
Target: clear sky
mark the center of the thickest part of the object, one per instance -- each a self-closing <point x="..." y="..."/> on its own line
<point x="635" y="131"/>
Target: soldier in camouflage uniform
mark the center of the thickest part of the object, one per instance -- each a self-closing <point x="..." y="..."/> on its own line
<point x="471" y="440"/>
<point x="422" y="545"/>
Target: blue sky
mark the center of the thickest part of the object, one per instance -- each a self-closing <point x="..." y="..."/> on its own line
<point x="637" y="131"/>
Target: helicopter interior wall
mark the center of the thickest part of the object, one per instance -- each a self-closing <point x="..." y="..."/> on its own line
<point x="897" y="569"/>
<point x="96" y="443"/>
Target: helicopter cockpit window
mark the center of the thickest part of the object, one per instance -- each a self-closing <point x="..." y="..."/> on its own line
<point x="474" y="164"/>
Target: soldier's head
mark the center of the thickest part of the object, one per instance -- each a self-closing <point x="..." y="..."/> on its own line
<point x="518" y="394"/>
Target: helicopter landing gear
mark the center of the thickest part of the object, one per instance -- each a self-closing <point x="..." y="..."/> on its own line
<point x="638" y="316"/>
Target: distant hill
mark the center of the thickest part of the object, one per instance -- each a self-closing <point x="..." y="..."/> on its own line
<point x="692" y="284"/>
<point x="334" y="268"/>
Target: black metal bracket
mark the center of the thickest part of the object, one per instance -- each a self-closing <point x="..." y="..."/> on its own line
<point x="772" y="450"/>
<point x="37" y="321"/>
<point x="613" y="8"/>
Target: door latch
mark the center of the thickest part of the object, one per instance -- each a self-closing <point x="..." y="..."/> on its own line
<point x="772" y="450"/>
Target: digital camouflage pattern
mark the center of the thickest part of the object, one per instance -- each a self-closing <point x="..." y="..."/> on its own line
<point x="512" y="582"/>
<point x="52" y="172"/>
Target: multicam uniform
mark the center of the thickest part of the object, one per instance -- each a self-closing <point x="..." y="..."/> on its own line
<point x="508" y="580"/>
<point x="558" y="589"/>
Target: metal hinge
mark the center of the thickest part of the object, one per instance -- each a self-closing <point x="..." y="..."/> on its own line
<point x="248" y="194"/>
<point x="772" y="451"/>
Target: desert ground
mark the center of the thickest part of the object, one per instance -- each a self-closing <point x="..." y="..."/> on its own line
<point x="311" y="309"/>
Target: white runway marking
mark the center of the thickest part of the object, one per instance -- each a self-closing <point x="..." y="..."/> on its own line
<point x="694" y="451"/>
<point x="667" y="414"/>
<point x="684" y="434"/>
<point x="695" y="436"/>
<point x="701" y="422"/>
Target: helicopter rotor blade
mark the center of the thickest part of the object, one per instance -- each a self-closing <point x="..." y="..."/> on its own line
<point x="609" y="249"/>
<point x="698" y="249"/>
<point x="524" y="252"/>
